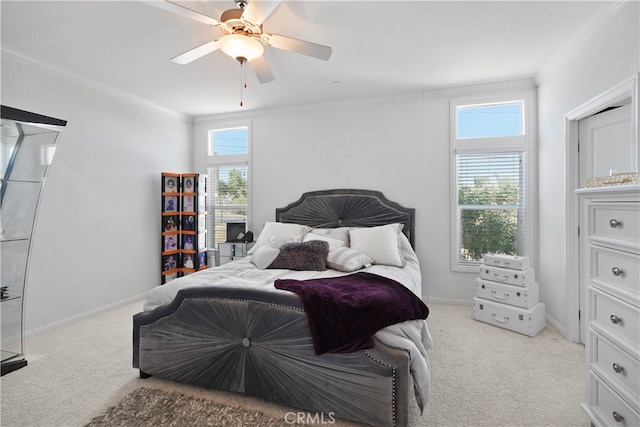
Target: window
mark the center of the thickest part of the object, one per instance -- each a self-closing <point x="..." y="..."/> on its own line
<point x="491" y="159"/>
<point x="228" y="170"/>
<point x="489" y="120"/>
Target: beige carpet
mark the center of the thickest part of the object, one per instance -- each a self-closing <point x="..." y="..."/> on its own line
<point x="481" y="375"/>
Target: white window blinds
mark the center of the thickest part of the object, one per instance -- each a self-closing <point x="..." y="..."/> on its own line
<point x="227" y="199"/>
<point x="491" y="204"/>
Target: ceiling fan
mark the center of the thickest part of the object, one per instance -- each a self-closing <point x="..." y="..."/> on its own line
<point x="242" y="36"/>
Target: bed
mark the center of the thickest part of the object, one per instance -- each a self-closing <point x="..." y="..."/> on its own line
<point x="241" y="327"/>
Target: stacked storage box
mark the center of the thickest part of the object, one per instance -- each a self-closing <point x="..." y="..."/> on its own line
<point x="507" y="295"/>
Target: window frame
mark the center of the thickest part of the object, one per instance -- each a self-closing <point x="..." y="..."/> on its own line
<point x="228" y="160"/>
<point x="525" y="143"/>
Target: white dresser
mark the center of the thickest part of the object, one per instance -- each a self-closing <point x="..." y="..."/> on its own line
<point x="231" y="251"/>
<point x="610" y="272"/>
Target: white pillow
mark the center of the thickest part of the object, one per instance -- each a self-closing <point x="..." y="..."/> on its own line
<point x="264" y="256"/>
<point x="339" y="233"/>
<point x="347" y="259"/>
<point x="279" y="229"/>
<point x="381" y="243"/>
<point x="333" y="243"/>
<point x="278" y="241"/>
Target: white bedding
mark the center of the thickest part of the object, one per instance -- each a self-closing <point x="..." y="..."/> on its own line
<point x="412" y="336"/>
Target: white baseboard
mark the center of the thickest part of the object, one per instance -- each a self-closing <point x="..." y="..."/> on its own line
<point x="85" y="314"/>
<point x="553" y="322"/>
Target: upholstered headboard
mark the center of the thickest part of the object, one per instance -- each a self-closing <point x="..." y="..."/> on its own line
<point x="348" y="208"/>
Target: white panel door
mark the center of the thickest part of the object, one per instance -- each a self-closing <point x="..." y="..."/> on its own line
<point x="606" y="144"/>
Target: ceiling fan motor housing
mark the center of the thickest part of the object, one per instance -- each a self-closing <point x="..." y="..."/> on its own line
<point x="232" y="23"/>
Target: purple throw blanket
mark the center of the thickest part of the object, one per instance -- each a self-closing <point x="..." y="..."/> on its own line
<point x="343" y="313"/>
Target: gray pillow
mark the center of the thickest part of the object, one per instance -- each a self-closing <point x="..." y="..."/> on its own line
<point x="310" y="256"/>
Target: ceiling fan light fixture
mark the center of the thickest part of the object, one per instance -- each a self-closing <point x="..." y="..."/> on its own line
<point x="241" y="47"/>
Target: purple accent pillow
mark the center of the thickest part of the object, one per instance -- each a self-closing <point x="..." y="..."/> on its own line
<point x="311" y="256"/>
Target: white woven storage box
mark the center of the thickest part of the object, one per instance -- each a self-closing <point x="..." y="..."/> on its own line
<point x="507" y="261"/>
<point x="507" y="275"/>
<point x="527" y="321"/>
<point x="519" y="296"/>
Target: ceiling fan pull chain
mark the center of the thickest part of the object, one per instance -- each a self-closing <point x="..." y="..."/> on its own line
<point x="242" y="83"/>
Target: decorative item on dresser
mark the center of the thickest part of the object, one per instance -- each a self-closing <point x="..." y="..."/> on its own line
<point x="610" y="275"/>
<point x="507" y="295"/>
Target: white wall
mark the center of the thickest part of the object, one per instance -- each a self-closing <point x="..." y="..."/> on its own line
<point x="97" y="237"/>
<point x="98" y="229"/>
<point x="602" y="58"/>
<point x="399" y="146"/>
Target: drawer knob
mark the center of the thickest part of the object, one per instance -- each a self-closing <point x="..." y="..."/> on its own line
<point x="615" y="319"/>
<point x="617" y="368"/>
<point x="614" y="223"/>
<point x="617" y="271"/>
<point x="616" y="416"/>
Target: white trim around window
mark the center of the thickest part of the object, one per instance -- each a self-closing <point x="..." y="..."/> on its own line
<point x="501" y="145"/>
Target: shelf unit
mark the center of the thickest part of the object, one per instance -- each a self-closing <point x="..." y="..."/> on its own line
<point x="184" y="232"/>
<point x="26" y="152"/>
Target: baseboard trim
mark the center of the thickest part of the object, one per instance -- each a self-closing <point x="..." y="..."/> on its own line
<point x="557" y="325"/>
<point x="85" y="314"/>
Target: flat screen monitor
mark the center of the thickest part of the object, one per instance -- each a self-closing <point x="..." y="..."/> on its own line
<point x="236" y="231"/>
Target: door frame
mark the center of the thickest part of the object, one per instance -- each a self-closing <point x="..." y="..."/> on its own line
<point x="619" y="94"/>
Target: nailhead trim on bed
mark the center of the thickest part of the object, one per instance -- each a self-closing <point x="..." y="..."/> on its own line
<point x="393" y="390"/>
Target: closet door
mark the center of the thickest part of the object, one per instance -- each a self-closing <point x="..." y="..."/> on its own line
<point x="606" y="143"/>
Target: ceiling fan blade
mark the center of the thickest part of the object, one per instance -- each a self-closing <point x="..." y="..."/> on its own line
<point x="182" y="10"/>
<point x="261" y="69"/>
<point x="255" y="12"/>
<point x="299" y="46"/>
<point x="196" y="53"/>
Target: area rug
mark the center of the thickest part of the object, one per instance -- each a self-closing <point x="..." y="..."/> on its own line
<point x="151" y="407"/>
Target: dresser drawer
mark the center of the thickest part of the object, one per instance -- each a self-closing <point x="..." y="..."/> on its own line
<point x="619" y="271"/>
<point x="616" y="319"/>
<point x="620" y="221"/>
<point x="609" y="408"/>
<point x="619" y="368"/>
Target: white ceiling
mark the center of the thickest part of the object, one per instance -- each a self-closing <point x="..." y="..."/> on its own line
<point x="380" y="48"/>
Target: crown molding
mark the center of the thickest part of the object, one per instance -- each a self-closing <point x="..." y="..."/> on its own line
<point x="295" y="109"/>
<point x="91" y="84"/>
<point x="416" y="96"/>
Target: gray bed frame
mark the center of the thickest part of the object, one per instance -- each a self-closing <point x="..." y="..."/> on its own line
<point x="257" y="342"/>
